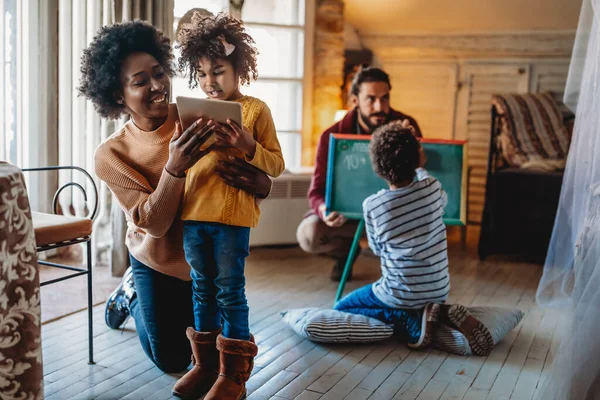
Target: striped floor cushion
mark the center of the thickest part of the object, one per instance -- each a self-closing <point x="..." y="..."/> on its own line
<point x="531" y="128"/>
<point x="500" y="321"/>
<point x="332" y="326"/>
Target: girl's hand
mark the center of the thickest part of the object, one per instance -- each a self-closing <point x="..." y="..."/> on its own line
<point x="184" y="148"/>
<point x="232" y="135"/>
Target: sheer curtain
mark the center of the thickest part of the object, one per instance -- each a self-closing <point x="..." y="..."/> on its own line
<point x="571" y="279"/>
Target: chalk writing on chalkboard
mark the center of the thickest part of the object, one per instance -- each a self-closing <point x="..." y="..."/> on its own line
<point x="354" y="161"/>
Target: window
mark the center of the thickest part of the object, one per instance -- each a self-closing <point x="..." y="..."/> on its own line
<point x="277" y="27"/>
<point x="8" y="82"/>
<point x="25" y="98"/>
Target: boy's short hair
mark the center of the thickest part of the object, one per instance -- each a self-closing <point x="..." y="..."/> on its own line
<point x="394" y="152"/>
<point x="368" y="74"/>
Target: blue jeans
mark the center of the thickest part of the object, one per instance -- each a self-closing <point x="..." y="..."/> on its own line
<point x="217" y="255"/>
<point x="407" y="322"/>
<point x="162" y="311"/>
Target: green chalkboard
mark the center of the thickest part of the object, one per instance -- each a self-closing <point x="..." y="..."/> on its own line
<point x="351" y="179"/>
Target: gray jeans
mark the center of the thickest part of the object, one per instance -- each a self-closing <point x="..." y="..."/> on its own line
<point x="315" y="237"/>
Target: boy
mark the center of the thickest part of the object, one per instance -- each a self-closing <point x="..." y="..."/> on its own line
<point x="405" y="228"/>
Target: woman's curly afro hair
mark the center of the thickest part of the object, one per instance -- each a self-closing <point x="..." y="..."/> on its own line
<point x="201" y="38"/>
<point x="394" y="153"/>
<point x="102" y="60"/>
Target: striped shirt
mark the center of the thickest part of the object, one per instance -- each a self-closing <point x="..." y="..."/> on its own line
<point x="405" y="228"/>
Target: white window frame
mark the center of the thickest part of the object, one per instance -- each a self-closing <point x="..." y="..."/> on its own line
<point x="5" y="151"/>
<point x="279" y="79"/>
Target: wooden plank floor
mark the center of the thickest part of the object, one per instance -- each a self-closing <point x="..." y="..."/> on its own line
<point x="289" y="367"/>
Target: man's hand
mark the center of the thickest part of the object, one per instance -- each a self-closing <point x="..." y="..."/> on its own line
<point x="333" y="220"/>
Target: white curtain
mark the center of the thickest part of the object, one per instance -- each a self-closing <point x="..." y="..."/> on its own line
<point x="80" y="129"/>
<point x="571" y="279"/>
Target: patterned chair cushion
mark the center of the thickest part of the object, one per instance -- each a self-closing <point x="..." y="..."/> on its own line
<point x="332" y="326"/>
<point x="531" y="128"/>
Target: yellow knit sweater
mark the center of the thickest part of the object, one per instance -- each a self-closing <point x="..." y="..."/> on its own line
<point x="207" y="198"/>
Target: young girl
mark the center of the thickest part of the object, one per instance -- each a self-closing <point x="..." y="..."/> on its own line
<point x="218" y="55"/>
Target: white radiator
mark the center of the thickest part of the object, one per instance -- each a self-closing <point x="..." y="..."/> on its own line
<point x="283" y="210"/>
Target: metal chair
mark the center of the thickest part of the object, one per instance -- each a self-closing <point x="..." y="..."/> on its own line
<point x="53" y="231"/>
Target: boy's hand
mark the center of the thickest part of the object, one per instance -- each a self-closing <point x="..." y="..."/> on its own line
<point x="232" y="135"/>
<point x="334" y="219"/>
<point x="406" y="124"/>
<point x="422" y="157"/>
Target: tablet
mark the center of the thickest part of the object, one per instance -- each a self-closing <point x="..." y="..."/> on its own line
<point x="191" y="109"/>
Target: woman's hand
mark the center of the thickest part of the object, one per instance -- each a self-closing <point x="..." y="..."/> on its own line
<point x="232" y="135"/>
<point x="184" y="149"/>
<point x="241" y="175"/>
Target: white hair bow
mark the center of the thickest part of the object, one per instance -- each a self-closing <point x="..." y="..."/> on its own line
<point x="229" y="48"/>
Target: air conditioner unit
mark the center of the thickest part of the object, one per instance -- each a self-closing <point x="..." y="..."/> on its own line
<point x="283" y="210"/>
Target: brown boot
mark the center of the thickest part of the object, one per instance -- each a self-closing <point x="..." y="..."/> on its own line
<point x="237" y="361"/>
<point x="198" y="381"/>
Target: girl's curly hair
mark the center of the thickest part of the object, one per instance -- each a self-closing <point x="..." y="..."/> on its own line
<point x="101" y="61"/>
<point x="394" y="153"/>
<point x="201" y="38"/>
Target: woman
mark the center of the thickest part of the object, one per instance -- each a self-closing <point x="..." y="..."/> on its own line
<point x="126" y="70"/>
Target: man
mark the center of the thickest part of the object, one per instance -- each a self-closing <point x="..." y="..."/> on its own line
<point x="332" y="235"/>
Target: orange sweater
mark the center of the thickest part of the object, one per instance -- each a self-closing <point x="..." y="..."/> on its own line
<point x="132" y="163"/>
<point x="208" y="198"/>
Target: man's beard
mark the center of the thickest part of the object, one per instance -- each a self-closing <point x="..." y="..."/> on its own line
<point x="373" y="126"/>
